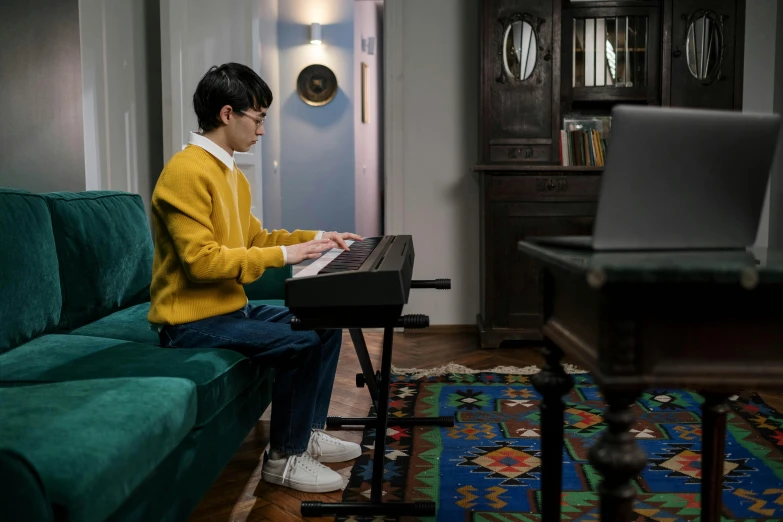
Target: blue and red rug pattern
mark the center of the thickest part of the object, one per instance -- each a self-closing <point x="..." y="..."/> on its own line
<point x="487" y="467"/>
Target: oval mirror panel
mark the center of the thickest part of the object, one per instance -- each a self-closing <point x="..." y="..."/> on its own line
<point x="520" y="47"/>
<point x="703" y="47"/>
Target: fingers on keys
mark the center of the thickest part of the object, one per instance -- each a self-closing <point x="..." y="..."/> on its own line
<point x="324" y="244"/>
<point x="341" y="243"/>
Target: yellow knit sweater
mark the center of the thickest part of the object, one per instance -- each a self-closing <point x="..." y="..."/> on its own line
<point x="207" y="242"/>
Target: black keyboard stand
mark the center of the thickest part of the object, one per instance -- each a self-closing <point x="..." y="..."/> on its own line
<point x="378" y="386"/>
<point x="371" y="380"/>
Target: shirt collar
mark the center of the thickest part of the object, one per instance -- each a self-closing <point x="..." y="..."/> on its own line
<point x="213" y="148"/>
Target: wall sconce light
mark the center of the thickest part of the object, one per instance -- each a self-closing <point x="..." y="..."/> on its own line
<point x="315" y="34"/>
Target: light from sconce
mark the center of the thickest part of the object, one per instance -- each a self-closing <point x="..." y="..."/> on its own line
<point x="315" y="34"/>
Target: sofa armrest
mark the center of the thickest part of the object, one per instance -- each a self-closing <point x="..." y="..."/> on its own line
<point x="22" y="495"/>
<point x="271" y="284"/>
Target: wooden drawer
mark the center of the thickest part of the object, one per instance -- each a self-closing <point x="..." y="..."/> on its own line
<point x="544" y="186"/>
<point x="520" y="153"/>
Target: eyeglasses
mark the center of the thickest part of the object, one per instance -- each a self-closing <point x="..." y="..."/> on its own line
<point x="259" y="123"/>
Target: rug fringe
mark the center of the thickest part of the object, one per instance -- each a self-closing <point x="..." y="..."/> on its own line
<point x="454" y="368"/>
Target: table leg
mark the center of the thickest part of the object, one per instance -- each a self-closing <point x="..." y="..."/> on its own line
<point x="713" y="449"/>
<point x="552" y="383"/>
<point x="618" y="458"/>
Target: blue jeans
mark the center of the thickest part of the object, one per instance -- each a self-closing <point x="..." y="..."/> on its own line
<point x="305" y="364"/>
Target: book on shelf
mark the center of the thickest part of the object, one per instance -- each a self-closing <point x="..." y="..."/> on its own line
<point x="583" y="148"/>
<point x="583" y="141"/>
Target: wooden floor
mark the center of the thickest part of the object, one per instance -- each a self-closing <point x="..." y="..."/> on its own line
<point x="240" y="495"/>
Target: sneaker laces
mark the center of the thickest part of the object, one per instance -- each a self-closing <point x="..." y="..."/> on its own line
<point x="322" y="436"/>
<point x="304" y="461"/>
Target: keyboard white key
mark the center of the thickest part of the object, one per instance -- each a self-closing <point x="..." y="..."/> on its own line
<point x="314" y="266"/>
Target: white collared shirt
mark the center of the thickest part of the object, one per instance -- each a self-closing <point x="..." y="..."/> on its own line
<point x="213" y="148"/>
<point x="199" y="140"/>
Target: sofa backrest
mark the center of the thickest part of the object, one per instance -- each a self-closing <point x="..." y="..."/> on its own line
<point x="105" y="250"/>
<point x="271" y="284"/>
<point x="29" y="279"/>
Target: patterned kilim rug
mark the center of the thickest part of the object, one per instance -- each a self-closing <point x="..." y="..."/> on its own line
<point x="487" y="468"/>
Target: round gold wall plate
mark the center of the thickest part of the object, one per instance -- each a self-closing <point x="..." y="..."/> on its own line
<point x="316" y="85"/>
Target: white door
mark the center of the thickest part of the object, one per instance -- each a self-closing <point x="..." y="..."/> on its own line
<point x="195" y="35"/>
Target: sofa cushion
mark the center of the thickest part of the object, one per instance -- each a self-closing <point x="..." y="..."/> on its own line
<point x="29" y="275"/>
<point x="219" y="375"/>
<point x="105" y="251"/>
<point x="93" y="442"/>
<point x="131" y="324"/>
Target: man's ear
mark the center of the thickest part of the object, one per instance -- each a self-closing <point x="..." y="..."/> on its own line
<point x="225" y="113"/>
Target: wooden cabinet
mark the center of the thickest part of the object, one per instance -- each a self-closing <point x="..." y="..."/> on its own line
<point x="545" y="61"/>
<point x="516" y="204"/>
<point x="707" y="53"/>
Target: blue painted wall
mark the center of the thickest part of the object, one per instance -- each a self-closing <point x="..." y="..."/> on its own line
<point x="316" y="148"/>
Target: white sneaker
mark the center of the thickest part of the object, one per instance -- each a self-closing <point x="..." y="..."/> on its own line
<point x="325" y="448"/>
<point x="302" y="473"/>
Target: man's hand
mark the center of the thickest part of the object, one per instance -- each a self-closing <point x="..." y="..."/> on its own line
<point x="340" y="237"/>
<point x="295" y="254"/>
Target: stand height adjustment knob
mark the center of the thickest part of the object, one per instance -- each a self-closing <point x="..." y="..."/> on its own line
<point x="414" y="321"/>
<point x="438" y="284"/>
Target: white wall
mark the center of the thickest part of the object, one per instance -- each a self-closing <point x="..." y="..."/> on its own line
<point x="368" y="173"/>
<point x="758" y="89"/>
<point x="120" y="43"/>
<point x="431" y="98"/>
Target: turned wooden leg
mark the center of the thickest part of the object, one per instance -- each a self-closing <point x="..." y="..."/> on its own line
<point x="713" y="449"/>
<point x="618" y="458"/>
<point x="552" y="383"/>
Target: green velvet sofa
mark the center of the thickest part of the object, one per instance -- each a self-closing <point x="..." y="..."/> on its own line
<point x="97" y="421"/>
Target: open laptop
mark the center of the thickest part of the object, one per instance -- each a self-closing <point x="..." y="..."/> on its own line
<point x="681" y="179"/>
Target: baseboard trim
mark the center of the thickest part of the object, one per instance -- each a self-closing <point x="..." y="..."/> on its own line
<point x="443" y="329"/>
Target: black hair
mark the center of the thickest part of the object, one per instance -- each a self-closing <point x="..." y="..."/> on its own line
<point x="231" y="84"/>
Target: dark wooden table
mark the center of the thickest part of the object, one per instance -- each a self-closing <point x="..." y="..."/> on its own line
<point x="711" y="322"/>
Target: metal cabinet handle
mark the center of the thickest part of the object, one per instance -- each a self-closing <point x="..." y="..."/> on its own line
<point x="552" y="185"/>
<point x="524" y="152"/>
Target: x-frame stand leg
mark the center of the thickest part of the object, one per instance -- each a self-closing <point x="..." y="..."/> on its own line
<point x="381" y="421"/>
<point x="370" y="379"/>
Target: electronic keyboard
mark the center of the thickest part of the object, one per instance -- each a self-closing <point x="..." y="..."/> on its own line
<point x="366" y="286"/>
